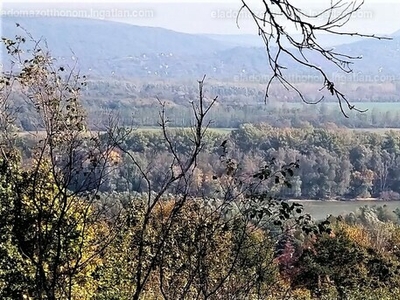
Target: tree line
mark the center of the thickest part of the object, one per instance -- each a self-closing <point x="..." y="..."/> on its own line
<point x="134" y="101"/>
<point x="334" y="164"/>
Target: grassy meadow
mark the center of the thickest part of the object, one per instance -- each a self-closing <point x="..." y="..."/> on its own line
<point x="321" y="209"/>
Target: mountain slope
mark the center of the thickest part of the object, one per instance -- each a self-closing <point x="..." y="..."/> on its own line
<point x="106" y="39"/>
<point x="106" y="48"/>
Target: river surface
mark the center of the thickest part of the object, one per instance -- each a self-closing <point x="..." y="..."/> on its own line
<point x="320" y="209"/>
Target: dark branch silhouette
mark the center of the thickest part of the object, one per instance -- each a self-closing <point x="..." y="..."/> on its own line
<point x="279" y="16"/>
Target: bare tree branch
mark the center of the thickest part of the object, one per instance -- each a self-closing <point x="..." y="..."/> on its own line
<point x="280" y="16"/>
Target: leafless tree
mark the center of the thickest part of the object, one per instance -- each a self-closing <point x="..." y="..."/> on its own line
<point x="275" y="26"/>
<point x="182" y="245"/>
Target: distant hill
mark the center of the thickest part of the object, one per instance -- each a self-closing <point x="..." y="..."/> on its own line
<point x="248" y="40"/>
<point x="107" y="39"/>
<point x="379" y="57"/>
<point x="106" y="48"/>
<point x="397" y="33"/>
<point x="237" y="40"/>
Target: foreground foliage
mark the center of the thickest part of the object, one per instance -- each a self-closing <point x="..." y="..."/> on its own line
<point x="98" y="216"/>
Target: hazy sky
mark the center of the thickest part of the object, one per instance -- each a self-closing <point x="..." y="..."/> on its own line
<point x="381" y="17"/>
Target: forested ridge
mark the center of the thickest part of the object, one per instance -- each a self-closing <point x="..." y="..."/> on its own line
<point x="335" y="163"/>
<point x="124" y="51"/>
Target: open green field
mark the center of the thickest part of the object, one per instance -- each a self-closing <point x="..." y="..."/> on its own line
<point x="321" y="209"/>
<point x="381" y="106"/>
<point x="375" y="130"/>
<point x="142" y="129"/>
<point x="229" y="130"/>
<point x="214" y="130"/>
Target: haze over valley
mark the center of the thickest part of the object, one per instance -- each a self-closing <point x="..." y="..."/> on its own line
<point x="128" y="66"/>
